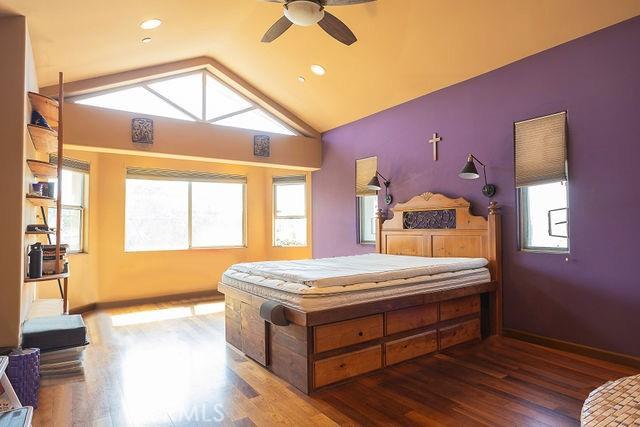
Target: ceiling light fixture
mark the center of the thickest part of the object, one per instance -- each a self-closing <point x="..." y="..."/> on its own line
<point x="146" y="40"/>
<point x="318" y="70"/>
<point x="150" y="24"/>
<point x="301" y="79"/>
<point x="303" y="12"/>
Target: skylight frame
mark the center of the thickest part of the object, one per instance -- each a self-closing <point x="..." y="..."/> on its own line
<point x="204" y="72"/>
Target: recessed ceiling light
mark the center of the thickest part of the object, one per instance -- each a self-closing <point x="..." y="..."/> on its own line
<point x="150" y="23"/>
<point x="301" y="79"/>
<point x="146" y="40"/>
<point x="318" y="70"/>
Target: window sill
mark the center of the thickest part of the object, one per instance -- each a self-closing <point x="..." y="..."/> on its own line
<point x="545" y="251"/>
<point x="367" y="243"/>
<point x="290" y="246"/>
<point x="214" y="248"/>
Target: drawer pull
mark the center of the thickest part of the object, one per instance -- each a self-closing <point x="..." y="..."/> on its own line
<point x="360" y="333"/>
<point x="342" y="365"/>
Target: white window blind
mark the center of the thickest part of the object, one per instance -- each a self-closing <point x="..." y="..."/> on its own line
<point x="541" y="150"/>
<point x="191" y="176"/>
<point x="71" y="164"/>
<point x="365" y="170"/>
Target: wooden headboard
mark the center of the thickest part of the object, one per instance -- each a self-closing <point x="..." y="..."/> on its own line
<point x="433" y="225"/>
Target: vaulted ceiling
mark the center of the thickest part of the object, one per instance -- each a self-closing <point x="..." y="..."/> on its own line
<point x="406" y="48"/>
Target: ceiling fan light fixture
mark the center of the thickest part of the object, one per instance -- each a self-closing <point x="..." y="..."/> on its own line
<point x="303" y="12"/>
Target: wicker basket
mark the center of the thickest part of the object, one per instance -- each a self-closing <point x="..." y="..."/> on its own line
<point x="616" y="403"/>
<point x="24" y="374"/>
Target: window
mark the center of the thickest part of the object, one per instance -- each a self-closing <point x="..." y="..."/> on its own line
<point x="74" y="202"/>
<point x="366" y="200"/>
<point x="195" y="96"/>
<point x="169" y="210"/>
<point x="290" y="211"/>
<point x="541" y="180"/>
<point x="367" y="208"/>
<point x="544" y="217"/>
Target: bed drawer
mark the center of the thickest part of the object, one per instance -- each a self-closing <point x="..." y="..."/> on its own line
<point x="410" y="347"/>
<point x="338" y="368"/>
<point x="457" y="334"/>
<point x="346" y="333"/>
<point x="459" y="307"/>
<point x="411" y="318"/>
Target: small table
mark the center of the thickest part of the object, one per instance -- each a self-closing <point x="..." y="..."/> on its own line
<point x="616" y="403"/>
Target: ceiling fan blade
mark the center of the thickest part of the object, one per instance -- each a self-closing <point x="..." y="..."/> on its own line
<point x="276" y="30"/>
<point x="344" y="2"/>
<point x="337" y="29"/>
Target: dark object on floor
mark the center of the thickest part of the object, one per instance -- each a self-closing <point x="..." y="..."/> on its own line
<point x="54" y="333"/>
<point x="39" y="120"/>
<point x="24" y="374"/>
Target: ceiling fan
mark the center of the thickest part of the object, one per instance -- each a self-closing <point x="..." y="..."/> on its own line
<point x="310" y="12"/>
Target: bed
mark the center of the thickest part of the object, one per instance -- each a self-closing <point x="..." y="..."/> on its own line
<point x="433" y="283"/>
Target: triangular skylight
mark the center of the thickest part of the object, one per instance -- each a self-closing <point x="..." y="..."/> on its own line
<point x="253" y="119"/>
<point x="222" y="101"/>
<point x="136" y="100"/>
<point x="196" y="96"/>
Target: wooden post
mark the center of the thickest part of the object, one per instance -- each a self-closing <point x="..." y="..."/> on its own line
<point x="495" y="258"/>
<point x="65" y="298"/>
<point x="380" y="217"/>
<point x="58" y="270"/>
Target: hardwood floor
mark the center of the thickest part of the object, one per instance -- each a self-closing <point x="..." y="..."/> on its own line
<point x="168" y="365"/>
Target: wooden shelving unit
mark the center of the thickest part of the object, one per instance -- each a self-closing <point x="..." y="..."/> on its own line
<point x="39" y="232"/>
<point x="47" y="141"/>
<point x="47" y="202"/>
<point x="44" y="140"/>
<point x="46" y="277"/>
<point x="43" y="170"/>
<point x="48" y="107"/>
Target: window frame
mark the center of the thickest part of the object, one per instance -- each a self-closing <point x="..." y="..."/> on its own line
<point x="190" y="246"/>
<point x="523" y="226"/>
<point x="360" y="218"/>
<point x="145" y="84"/>
<point x="82" y="208"/>
<point x="275" y="215"/>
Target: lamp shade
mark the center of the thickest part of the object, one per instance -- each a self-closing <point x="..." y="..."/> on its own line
<point x="469" y="170"/>
<point x="374" y="184"/>
<point x="303" y="12"/>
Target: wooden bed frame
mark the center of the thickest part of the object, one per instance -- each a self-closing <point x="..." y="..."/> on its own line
<point x="316" y="349"/>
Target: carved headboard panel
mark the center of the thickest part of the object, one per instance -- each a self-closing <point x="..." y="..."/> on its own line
<point x="433" y="225"/>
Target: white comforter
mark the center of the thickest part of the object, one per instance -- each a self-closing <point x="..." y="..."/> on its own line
<point x="353" y="270"/>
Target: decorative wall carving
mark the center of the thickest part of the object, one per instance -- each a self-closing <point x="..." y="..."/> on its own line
<point x="142" y="131"/>
<point x="433" y="219"/>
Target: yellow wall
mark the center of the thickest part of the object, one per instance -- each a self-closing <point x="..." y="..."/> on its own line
<point x="98" y="129"/>
<point x="107" y="273"/>
<point x="16" y="77"/>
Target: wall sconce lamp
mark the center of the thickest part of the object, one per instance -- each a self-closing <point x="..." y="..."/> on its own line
<point x="374" y="185"/>
<point x="469" y="171"/>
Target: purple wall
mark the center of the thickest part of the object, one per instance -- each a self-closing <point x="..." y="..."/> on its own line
<point x="594" y="298"/>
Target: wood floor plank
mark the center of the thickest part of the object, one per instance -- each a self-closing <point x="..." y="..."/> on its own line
<point x="168" y="364"/>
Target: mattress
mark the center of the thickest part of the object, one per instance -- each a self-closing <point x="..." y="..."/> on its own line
<point x="312" y="285"/>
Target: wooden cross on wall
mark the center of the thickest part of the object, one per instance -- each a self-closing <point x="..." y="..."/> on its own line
<point x="434" y="140"/>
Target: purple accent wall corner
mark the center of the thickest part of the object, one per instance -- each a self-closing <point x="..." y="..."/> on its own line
<point x="593" y="298"/>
